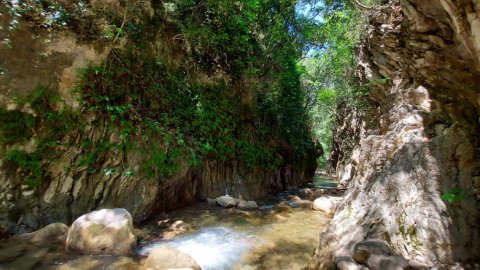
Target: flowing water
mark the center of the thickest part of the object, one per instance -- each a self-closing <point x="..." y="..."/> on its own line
<point x="269" y="238"/>
<point x="275" y="236"/>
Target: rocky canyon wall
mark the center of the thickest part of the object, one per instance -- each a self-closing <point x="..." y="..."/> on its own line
<point x="414" y="176"/>
<point x="35" y="54"/>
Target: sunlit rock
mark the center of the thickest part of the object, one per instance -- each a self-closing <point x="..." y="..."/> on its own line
<point x="247" y="205"/>
<point x="106" y="231"/>
<point x="326" y="204"/>
<point x="165" y="257"/>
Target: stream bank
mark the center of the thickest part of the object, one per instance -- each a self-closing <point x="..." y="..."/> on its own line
<point x="280" y="234"/>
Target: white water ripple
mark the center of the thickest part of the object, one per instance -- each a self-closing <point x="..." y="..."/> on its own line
<point x="213" y="248"/>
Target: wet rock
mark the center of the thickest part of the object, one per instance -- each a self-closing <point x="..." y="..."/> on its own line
<point x="165" y="257"/>
<point x="106" y="231"/>
<point x="226" y="201"/>
<point x="52" y="234"/>
<point x="326" y="204"/>
<point x="178" y="227"/>
<point x="297" y="202"/>
<point x="247" y="205"/>
<point x="363" y="249"/>
<point x="385" y="262"/>
<point x="306" y="193"/>
<point x="347" y="263"/>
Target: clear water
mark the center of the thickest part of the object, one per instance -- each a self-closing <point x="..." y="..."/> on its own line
<point x="268" y="238"/>
<point x="234" y="239"/>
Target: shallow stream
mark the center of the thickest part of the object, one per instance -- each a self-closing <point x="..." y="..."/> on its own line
<point x="269" y="238"/>
<point x="278" y="235"/>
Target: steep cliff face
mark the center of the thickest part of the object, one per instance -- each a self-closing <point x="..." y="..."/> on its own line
<point x="414" y="176"/>
<point x="71" y="148"/>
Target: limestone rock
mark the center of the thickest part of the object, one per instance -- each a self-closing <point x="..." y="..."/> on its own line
<point x="226" y="201"/>
<point x="402" y="139"/>
<point x="165" y="257"/>
<point x="326" y="204"/>
<point x="247" y="205"/>
<point x="363" y="249"/>
<point x="106" y="232"/>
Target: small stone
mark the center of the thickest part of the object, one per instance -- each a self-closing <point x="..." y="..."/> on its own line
<point x="247" y="205"/>
<point x="226" y="201"/>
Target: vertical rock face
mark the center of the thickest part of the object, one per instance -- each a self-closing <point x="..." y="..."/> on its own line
<point x="34" y="56"/>
<point x="415" y="182"/>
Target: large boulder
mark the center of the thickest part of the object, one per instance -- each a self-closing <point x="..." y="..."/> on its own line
<point x="226" y="201"/>
<point x="326" y="204"/>
<point x="106" y="231"/>
<point x="166" y="257"/>
<point x="247" y="205"/>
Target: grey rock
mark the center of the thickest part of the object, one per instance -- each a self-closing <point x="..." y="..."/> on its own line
<point x="226" y="201"/>
<point x="385" y="262"/>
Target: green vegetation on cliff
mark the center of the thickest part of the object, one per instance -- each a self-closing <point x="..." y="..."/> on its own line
<point x="183" y="81"/>
<point x="252" y="81"/>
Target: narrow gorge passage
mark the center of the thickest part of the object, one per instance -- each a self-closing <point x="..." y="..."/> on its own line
<point x="253" y="134"/>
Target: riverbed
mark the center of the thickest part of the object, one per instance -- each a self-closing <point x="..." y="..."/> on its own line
<point x="281" y="234"/>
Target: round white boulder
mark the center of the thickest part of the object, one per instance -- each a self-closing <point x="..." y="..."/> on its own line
<point x="106" y="231"/>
